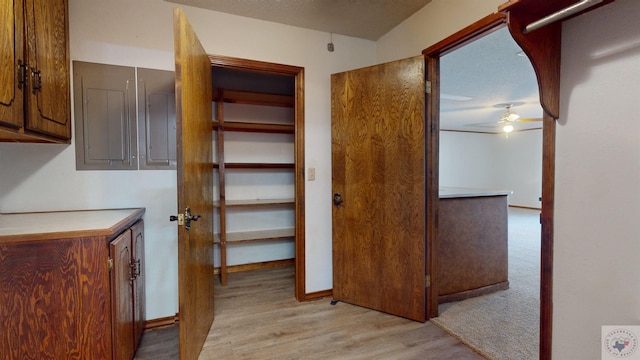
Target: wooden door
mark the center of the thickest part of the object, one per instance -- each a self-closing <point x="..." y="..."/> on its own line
<point x="48" y="105"/>
<point x="11" y="54"/>
<point x="122" y="297"/>
<point x="377" y="131"/>
<point x="139" y="298"/>
<point x="194" y="131"/>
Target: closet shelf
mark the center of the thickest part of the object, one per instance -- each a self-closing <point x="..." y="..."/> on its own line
<point x="255" y="127"/>
<point x="253" y="98"/>
<point x="255" y="202"/>
<point x="256" y="235"/>
<point x="255" y="166"/>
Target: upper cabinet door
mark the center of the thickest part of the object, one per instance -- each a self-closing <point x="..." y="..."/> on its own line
<point x="48" y="106"/>
<point x="11" y="56"/>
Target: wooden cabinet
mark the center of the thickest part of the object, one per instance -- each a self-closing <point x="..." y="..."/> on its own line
<point x="256" y="168"/>
<point x="34" y="71"/>
<point x="71" y="284"/>
<point x="127" y="290"/>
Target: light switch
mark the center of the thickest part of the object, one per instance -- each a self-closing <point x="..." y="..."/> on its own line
<point x="311" y="174"/>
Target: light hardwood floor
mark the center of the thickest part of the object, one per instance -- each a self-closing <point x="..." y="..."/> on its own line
<point x="257" y="317"/>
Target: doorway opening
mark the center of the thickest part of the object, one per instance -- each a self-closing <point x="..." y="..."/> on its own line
<point x="478" y="157"/>
<point x="545" y="67"/>
<point x="259" y="170"/>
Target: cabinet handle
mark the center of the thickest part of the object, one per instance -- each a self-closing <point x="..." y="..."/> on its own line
<point x="132" y="271"/>
<point x="138" y="266"/>
<point x="22" y="74"/>
<point x="36" y="80"/>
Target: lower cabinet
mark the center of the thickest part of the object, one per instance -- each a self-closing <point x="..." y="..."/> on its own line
<point x="69" y="290"/>
<point x="127" y="291"/>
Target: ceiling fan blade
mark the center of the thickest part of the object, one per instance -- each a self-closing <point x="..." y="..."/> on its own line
<point x="529" y="119"/>
<point x="487" y="124"/>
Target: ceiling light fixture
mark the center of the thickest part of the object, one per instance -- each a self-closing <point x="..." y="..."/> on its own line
<point x="509" y="115"/>
<point x="507" y="128"/>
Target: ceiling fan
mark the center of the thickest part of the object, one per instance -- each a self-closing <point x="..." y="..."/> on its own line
<point x="507" y="120"/>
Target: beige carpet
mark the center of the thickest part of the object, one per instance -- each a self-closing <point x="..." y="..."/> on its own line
<point x="504" y="325"/>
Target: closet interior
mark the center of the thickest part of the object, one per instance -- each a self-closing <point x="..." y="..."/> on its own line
<point x="254" y="184"/>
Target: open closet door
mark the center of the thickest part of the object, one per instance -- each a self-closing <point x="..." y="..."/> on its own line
<point x="195" y="188"/>
<point x="378" y="144"/>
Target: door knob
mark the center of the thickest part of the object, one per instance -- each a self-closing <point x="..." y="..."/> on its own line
<point x="185" y="219"/>
<point x="337" y="199"/>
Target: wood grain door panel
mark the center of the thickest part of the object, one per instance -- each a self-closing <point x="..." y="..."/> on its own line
<point x="195" y="187"/>
<point x="139" y="313"/>
<point x="378" y="170"/>
<point x="122" y="297"/>
<point x="11" y="52"/>
<point x="48" y="110"/>
<point x="40" y="278"/>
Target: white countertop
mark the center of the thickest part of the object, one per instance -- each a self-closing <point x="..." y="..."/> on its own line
<point x="456" y="192"/>
<point x="50" y="224"/>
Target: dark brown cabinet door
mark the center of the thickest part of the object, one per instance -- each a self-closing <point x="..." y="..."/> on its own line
<point x="377" y="132"/>
<point x="122" y="297"/>
<point x="194" y="133"/>
<point x="139" y="315"/>
<point x="48" y="103"/>
<point x="11" y="55"/>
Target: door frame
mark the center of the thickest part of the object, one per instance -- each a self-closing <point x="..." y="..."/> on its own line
<point x="543" y="50"/>
<point x="299" y="165"/>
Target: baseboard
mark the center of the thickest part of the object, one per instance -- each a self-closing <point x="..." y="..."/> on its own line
<point x="318" y="295"/>
<point x="473" y="293"/>
<point x="161" y="322"/>
<point x="257" y="266"/>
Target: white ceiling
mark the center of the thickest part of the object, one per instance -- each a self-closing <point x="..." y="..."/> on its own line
<point x="492" y="71"/>
<point x="489" y="70"/>
<point x="366" y="19"/>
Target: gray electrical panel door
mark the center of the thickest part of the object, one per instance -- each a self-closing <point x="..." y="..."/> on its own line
<point x="156" y="119"/>
<point x="105" y="116"/>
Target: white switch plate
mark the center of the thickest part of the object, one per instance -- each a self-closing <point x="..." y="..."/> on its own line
<point x="311" y="174"/>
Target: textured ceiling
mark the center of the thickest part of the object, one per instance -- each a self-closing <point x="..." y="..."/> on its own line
<point x="488" y="72"/>
<point x="366" y="19"/>
<point x="492" y="72"/>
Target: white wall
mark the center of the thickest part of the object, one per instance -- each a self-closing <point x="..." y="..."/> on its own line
<point x="493" y="161"/>
<point x="432" y="23"/>
<point x="596" y="252"/>
<point x="470" y="160"/>
<point x="140" y="33"/>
